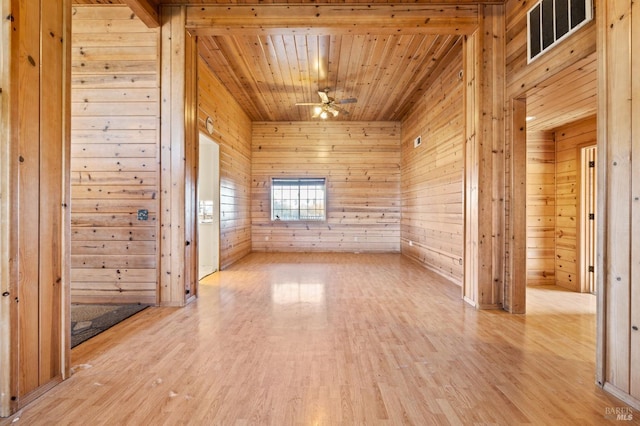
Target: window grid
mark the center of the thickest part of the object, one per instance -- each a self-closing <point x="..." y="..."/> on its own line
<point x="550" y="21"/>
<point x="298" y="199"/>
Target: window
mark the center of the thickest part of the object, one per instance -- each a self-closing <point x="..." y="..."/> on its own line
<point x="550" y="21"/>
<point x="298" y="199"/>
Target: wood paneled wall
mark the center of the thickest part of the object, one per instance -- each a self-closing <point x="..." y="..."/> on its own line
<point x="541" y="208"/>
<point x="361" y="162"/>
<point x="485" y="163"/>
<point x="6" y="306"/>
<point x="618" y="211"/>
<point x="433" y="175"/>
<point x="114" y="164"/>
<point x="177" y="155"/>
<point x="521" y="78"/>
<point x="34" y="147"/>
<point x="232" y="131"/>
<point x="553" y="203"/>
<point x="569" y="140"/>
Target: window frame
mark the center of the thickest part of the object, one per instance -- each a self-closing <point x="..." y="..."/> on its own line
<point x="589" y="16"/>
<point x="292" y="179"/>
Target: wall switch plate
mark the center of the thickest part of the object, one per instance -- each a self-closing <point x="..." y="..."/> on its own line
<point x="417" y="141"/>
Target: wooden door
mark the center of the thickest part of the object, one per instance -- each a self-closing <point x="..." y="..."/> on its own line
<point x="588" y="231"/>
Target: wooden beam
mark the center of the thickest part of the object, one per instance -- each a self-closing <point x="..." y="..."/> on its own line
<point x="191" y="144"/>
<point x="516" y="293"/>
<point x="330" y="18"/>
<point x="484" y="56"/>
<point x="173" y="238"/>
<point x="146" y="11"/>
<point x="5" y="213"/>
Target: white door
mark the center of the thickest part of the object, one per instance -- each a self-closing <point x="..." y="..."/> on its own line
<point x="208" y="207"/>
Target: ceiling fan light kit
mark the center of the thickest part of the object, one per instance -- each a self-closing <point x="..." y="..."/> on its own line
<point x="328" y="106"/>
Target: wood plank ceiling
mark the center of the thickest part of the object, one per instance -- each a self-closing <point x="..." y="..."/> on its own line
<point x="268" y="73"/>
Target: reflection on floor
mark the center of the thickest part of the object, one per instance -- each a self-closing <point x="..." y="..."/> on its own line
<point x="336" y="339"/>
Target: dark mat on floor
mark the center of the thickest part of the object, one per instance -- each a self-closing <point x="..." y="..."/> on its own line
<point x="90" y="320"/>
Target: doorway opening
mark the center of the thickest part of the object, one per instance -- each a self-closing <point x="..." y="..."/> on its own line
<point x="561" y="139"/>
<point x="208" y="207"/>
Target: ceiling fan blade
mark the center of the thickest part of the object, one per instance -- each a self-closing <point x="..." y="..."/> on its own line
<point x="324" y="97"/>
<point x="308" y="103"/>
<point x="338" y="109"/>
<point x="347" y="101"/>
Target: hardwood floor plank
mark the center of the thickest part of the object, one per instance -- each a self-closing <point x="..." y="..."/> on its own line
<point x="283" y="339"/>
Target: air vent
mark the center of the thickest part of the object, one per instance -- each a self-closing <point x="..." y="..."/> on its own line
<point x="550" y="21"/>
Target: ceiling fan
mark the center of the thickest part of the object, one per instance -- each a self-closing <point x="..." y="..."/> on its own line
<point x="328" y="106"/>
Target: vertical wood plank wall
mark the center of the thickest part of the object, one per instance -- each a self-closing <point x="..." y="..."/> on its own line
<point x="541" y="208"/>
<point x="232" y="131"/>
<point x="35" y="124"/>
<point x="115" y="136"/>
<point x="6" y="306"/>
<point x="618" y="211"/>
<point x="175" y="160"/>
<point x="361" y="162"/>
<point x="432" y="176"/>
<point x="485" y="214"/>
<point x="520" y="79"/>
<point x="569" y="139"/>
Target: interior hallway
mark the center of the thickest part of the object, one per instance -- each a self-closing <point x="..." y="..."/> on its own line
<point x="336" y="339"/>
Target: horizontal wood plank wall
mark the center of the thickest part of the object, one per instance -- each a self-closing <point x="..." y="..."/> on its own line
<point x="433" y="176"/>
<point x="361" y="162"/>
<point x="521" y="76"/>
<point x="569" y="139"/>
<point x="520" y="79"/>
<point x="541" y="208"/>
<point x="114" y="164"/>
<point x="232" y="131"/>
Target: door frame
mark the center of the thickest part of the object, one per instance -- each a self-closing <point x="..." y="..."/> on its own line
<point x="203" y="137"/>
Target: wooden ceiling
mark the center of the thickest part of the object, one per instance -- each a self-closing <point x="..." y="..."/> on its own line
<point x="269" y="74"/>
<point x="284" y="57"/>
<point x="385" y="68"/>
<point x="271" y="57"/>
<point x="386" y="64"/>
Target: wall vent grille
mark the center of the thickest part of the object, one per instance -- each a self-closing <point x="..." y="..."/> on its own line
<point x="551" y="21"/>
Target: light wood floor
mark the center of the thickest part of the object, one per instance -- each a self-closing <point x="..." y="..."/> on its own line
<point x="336" y="339"/>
